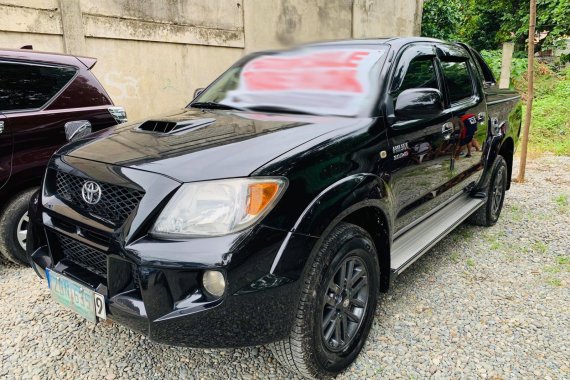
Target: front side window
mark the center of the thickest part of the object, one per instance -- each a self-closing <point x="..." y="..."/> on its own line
<point x="457" y="80"/>
<point x="24" y="86"/>
<point x="420" y="74"/>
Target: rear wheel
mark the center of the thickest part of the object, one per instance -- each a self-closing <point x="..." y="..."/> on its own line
<point x="489" y="213"/>
<point x="14" y="227"/>
<point x="337" y="307"/>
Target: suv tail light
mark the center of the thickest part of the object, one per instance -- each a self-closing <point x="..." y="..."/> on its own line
<point x="119" y="114"/>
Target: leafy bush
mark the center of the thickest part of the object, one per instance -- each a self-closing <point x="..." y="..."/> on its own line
<point x="550" y="127"/>
<point x="494" y="59"/>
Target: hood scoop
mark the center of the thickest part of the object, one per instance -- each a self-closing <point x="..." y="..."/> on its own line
<point x="173" y="127"/>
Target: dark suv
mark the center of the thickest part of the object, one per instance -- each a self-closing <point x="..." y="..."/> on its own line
<point x="46" y="100"/>
<point x="276" y="206"/>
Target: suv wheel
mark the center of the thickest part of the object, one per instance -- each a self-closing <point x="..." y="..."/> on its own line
<point x="489" y="213"/>
<point x="13" y="228"/>
<point x="337" y="305"/>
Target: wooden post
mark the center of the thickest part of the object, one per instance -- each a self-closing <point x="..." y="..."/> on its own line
<point x="530" y="91"/>
<point x="508" y="48"/>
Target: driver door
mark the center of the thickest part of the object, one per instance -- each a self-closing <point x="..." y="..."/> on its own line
<point x="421" y="149"/>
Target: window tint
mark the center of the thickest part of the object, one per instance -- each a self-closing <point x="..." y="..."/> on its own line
<point x="420" y="74"/>
<point x="457" y="80"/>
<point x="25" y="86"/>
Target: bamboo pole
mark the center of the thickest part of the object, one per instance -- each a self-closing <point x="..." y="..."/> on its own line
<point x="530" y="91"/>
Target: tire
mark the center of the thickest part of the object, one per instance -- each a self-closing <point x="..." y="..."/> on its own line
<point x="489" y="213"/>
<point x="12" y="221"/>
<point x="312" y="350"/>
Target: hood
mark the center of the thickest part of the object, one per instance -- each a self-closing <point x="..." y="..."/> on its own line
<point x="194" y="145"/>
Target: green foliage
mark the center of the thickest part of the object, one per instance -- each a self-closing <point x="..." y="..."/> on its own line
<point x="486" y="24"/>
<point x="494" y="58"/>
<point x="550" y="129"/>
<point x="561" y="200"/>
<point x="439" y="18"/>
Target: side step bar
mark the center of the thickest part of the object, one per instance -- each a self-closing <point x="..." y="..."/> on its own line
<point x="414" y="243"/>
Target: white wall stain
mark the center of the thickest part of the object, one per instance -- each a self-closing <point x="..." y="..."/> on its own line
<point x="121" y="86"/>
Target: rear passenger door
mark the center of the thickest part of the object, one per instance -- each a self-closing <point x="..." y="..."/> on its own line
<point x="467" y="102"/>
<point x="5" y="152"/>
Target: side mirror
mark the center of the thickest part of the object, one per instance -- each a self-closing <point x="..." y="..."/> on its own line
<point x="419" y="103"/>
<point x="198" y="92"/>
<point x="77" y="129"/>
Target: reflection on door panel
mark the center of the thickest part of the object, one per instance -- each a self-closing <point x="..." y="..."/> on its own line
<point x="421" y="153"/>
<point x="470" y="118"/>
<point x="420" y="169"/>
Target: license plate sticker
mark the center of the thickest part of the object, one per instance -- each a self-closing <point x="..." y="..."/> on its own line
<point x="74" y="296"/>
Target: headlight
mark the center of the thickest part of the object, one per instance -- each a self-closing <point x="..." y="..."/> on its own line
<point x="218" y="207"/>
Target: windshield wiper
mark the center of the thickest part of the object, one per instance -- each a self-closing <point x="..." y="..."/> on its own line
<point x="214" y="106"/>
<point x="278" y="109"/>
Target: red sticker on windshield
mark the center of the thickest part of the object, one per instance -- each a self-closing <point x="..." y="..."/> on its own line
<point x="325" y="71"/>
<point x="324" y="81"/>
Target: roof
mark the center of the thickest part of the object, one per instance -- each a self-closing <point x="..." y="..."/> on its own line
<point x="46" y="57"/>
<point x="379" y="41"/>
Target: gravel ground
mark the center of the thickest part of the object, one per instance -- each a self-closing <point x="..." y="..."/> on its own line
<point x="484" y="303"/>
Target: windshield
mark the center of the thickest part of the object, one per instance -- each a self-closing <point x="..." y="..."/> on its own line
<point x="331" y="80"/>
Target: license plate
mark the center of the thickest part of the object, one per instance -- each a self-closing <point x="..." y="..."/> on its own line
<point x="73" y="295"/>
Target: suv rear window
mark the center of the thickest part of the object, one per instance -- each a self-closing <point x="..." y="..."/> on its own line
<point x="458" y="80"/>
<point x="25" y="86"/>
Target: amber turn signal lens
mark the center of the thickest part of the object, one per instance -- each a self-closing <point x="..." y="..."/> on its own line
<point x="260" y="195"/>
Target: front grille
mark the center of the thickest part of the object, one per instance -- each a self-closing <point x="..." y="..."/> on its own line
<point x="116" y="202"/>
<point x="83" y="255"/>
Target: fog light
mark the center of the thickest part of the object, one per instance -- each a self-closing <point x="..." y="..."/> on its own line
<point x="214" y="282"/>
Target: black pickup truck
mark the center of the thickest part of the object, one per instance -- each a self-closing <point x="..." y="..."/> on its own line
<point x="281" y="200"/>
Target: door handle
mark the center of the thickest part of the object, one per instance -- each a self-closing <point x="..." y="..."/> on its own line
<point x="77" y="129"/>
<point x="446" y="130"/>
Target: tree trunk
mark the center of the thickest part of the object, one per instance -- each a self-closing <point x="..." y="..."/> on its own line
<point x="530" y="91"/>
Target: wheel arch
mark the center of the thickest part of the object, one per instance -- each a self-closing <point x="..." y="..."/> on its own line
<point x="507" y="150"/>
<point x="363" y="200"/>
<point x="375" y="222"/>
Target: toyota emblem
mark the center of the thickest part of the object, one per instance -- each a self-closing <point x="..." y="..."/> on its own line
<point x="91" y="192"/>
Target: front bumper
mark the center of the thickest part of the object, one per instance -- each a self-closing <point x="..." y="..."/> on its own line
<point x="167" y="303"/>
<point x="155" y="286"/>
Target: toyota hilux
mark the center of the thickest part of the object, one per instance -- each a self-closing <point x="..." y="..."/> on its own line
<point x="276" y="206"/>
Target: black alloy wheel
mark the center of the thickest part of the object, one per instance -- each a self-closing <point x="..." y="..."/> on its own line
<point x="497" y="192"/>
<point x="344" y="304"/>
<point x="337" y="305"/>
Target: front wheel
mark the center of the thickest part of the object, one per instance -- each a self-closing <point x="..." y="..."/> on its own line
<point x="337" y="306"/>
<point x="489" y="213"/>
<point x="14" y="227"/>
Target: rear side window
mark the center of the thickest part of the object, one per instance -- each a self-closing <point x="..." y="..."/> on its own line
<point x="458" y="80"/>
<point x="24" y="86"/>
<point x="485" y="69"/>
<point x="420" y="74"/>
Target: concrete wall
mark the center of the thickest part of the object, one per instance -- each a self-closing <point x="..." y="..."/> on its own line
<point x="153" y="54"/>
